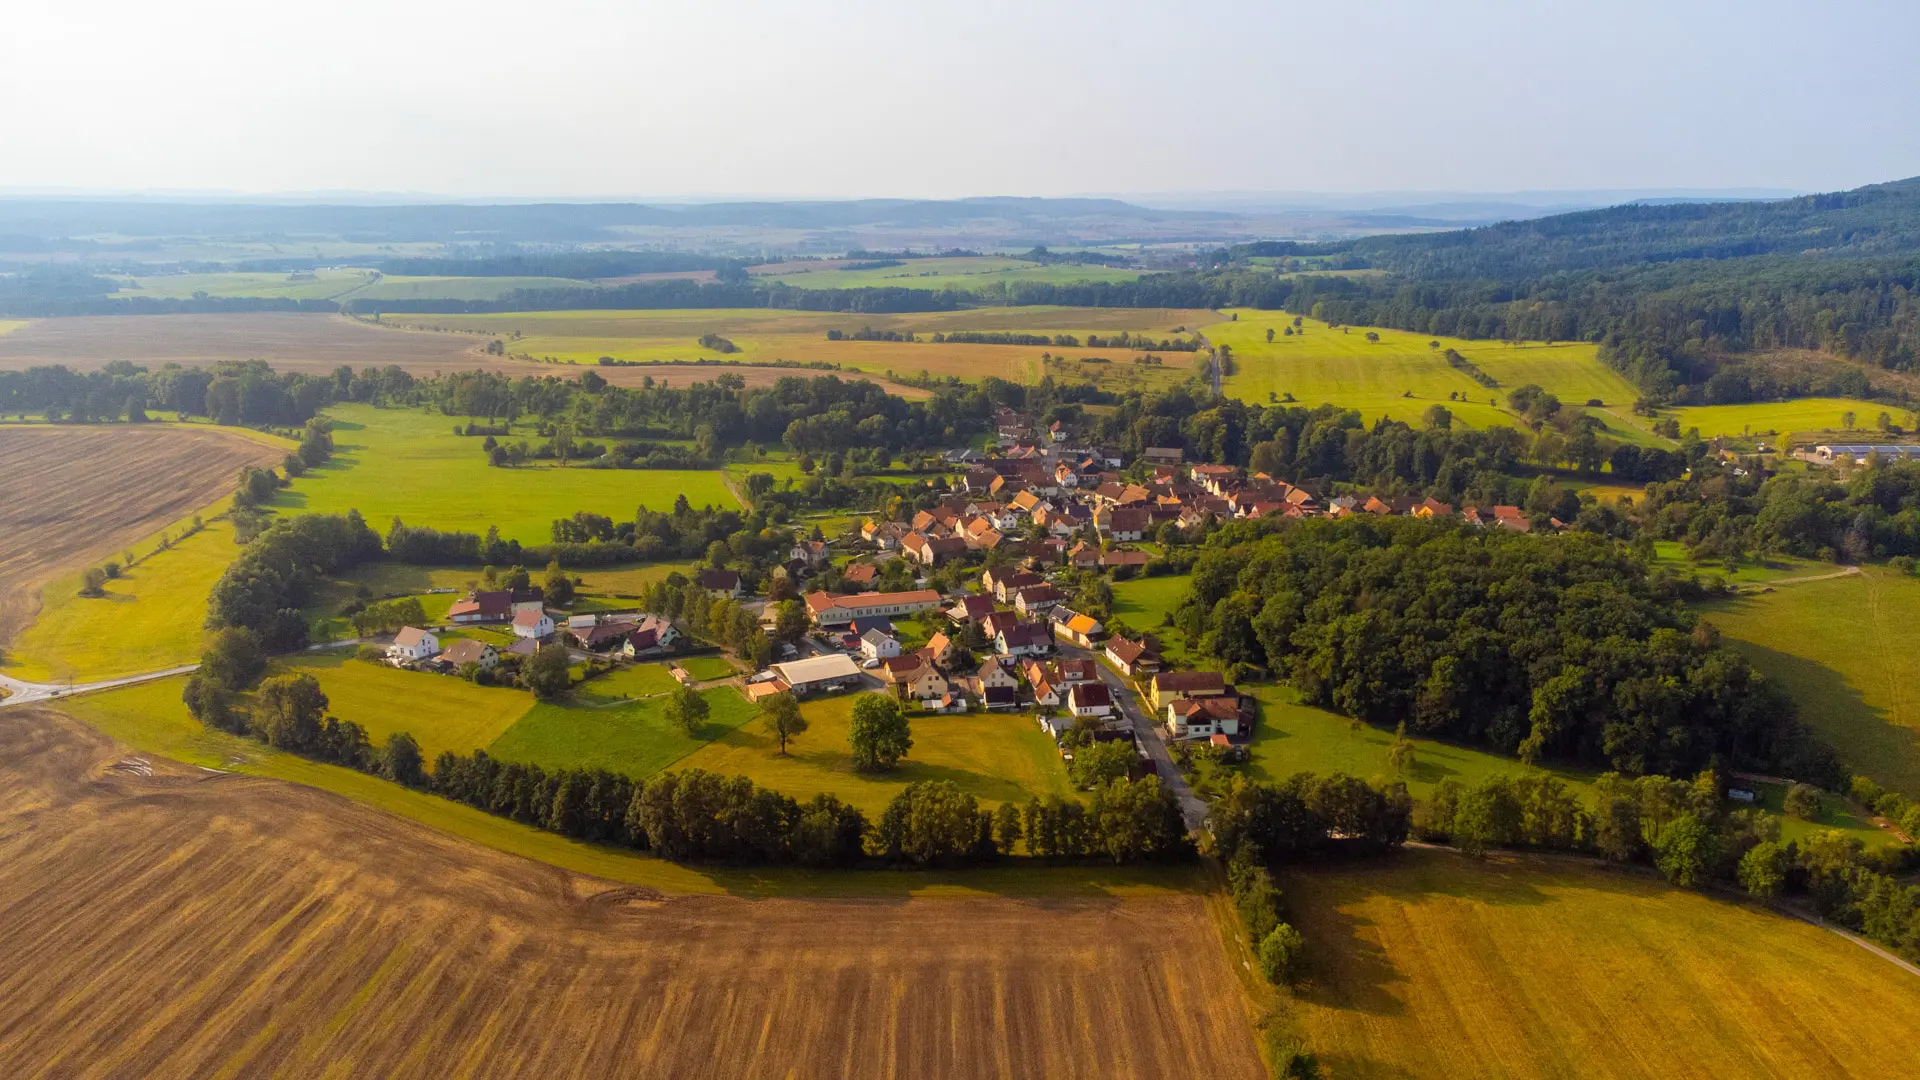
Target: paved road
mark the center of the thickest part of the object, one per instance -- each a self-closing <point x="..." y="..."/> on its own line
<point x="26" y="693"/>
<point x="1137" y="714"/>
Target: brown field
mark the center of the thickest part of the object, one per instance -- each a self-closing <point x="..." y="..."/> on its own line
<point x="194" y="924"/>
<point x="137" y="480"/>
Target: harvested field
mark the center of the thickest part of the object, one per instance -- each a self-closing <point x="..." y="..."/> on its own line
<point x="190" y="924"/>
<point x="70" y="496"/>
<point x="290" y="341"/>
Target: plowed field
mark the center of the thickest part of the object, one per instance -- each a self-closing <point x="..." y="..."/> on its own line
<point x="186" y="923"/>
<point x="70" y="496"/>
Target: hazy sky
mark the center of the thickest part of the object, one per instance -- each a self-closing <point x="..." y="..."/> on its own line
<point x="917" y="98"/>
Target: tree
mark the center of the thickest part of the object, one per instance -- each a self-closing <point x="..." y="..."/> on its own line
<point x="1685" y="850"/>
<point x="881" y="735"/>
<point x="1763" y="870"/>
<point x="288" y="710"/>
<point x="559" y="587"/>
<point x="1373" y="338"/>
<point x="547" y="673"/>
<point x="1095" y="765"/>
<point x="1846" y="420"/>
<point x="1802" y="801"/>
<point x="781" y="714"/>
<point x="234" y="659"/>
<point x="687" y="710"/>
<point x="932" y="821"/>
<point x="1007" y="822"/>
<point x="1400" y="753"/>
<point x="400" y="760"/>
<point x="790" y="621"/>
<point x="1269" y="335"/>
<point x="1281" y="955"/>
<point x="94" y="582"/>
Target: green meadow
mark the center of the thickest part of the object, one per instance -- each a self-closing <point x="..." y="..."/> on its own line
<point x="405" y="463"/>
<point x="1814" y="419"/>
<point x="441" y="712"/>
<point x="632" y="737"/>
<point x="967" y="274"/>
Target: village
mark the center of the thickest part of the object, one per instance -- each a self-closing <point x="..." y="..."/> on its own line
<point x="1036" y="517"/>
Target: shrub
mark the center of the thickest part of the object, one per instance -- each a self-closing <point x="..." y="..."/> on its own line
<point x="1282" y="952"/>
<point x="1803" y="802"/>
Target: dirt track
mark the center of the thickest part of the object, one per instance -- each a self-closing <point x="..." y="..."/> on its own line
<point x="187" y="924"/>
<point x="136" y="481"/>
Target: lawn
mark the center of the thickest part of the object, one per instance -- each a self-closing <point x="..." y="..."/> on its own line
<point x="763" y="335"/>
<point x="441" y="712"/>
<point x="1848" y="650"/>
<point x="1143" y="603"/>
<point x="705" y="668"/>
<point x="996" y="757"/>
<point x="632" y="738"/>
<point x="1753" y="569"/>
<point x="150" y="719"/>
<point x="149" y="619"/>
<point x="1817" y="419"/>
<point x="407" y="464"/>
<point x="1430" y="964"/>
<point x="1402" y="375"/>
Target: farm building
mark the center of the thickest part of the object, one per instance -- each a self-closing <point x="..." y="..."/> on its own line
<point x="818" y="674"/>
<point x="495" y="605"/>
<point x="412" y="645"/>
<point x="1858" y="453"/>
<point x="829" y="609"/>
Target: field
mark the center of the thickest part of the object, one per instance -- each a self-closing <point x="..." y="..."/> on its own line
<point x="391" y="287"/>
<point x="291" y="342"/>
<point x="968" y="274"/>
<point x="1815" y="417"/>
<point x="1848" y="649"/>
<point x="404" y="463"/>
<point x="1143" y="602"/>
<point x="136" y="481"/>
<point x="329" y="939"/>
<point x="324" y="285"/>
<point x="1329" y="365"/>
<point x="441" y="712"/>
<point x="996" y="757"/>
<point x="1430" y="964"/>
<point x="764" y="335"/>
<point x="633" y="738"/>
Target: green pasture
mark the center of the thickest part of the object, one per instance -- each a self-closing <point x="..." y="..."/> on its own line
<point x="1752" y="569"/>
<point x="1144" y="602"/>
<point x="1812" y="419"/>
<point x="405" y="463"/>
<point x="441" y="712"/>
<point x="631" y="737"/>
<point x="320" y="285"/>
<point x="996" y="757"/>
<point x="1848" y="650"/>
<point x="149" y="619"/>
<point x="391" y="287"/>
<point x="708" y="668"/>
<point x="968" y="274"/>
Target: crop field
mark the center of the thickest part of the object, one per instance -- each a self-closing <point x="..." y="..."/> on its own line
<point x="319" y="285"/>
<point x="1430" y="964"/>
<point x="74" y="496"/>
<point x="996" y="757"/>
<point x="404" y="463"/>
<point x="1817" y="419"/>
<point x="967" y="273"/>
<point x="329" y="939"/>
<point x="288" y="340"/>
<point x="392" y="287"/>
<point x="1848" y="649"/>
<point x="8" y="326"/>
<point x="763" y="335"/>
<point x="1340" y="366"/>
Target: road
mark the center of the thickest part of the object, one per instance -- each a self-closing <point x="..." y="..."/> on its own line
<point x="1148" y="734"/>
<point x="26" y="693"/>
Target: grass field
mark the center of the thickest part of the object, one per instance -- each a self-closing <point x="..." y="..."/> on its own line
<point x="1144" y="602"/>
<point x="1430" y="964"/>
<point x="632" y="738"/>
<point x="1753" y="570"/>
<point x="1817" y="419"/>
<point x="1848" y="650"/>
<point x="404" y="463"/>
<point x="324" y="285"/>
<point x="764" y="335"/>
<point x="967" y="274"/>
<point x="1340" y="366"/>
<point x="290" y="341"/>
<point x="244" y="927"/>
<point x="392" y="287"/>
<point x="996" y="757"/>
<point x="704" y="668"/>
<point x="441" y="712"/>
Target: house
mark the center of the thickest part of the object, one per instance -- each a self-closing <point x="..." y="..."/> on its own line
<point x="495" y="605"/>
<point x="1048" y="688"/>
<point x="468" y="651"/>
<point x="650" y="636"/>
<point x="860" y="575"/>
<point x="1000" y="698"/>
<point x="879" y="645"/>
<point x="818" y="674"/>
<point x="1432" y="508"/>
<point x="1078" y="670"/>
<point x="412" y="644"/>
<point x="813" y="553"/>
<point x="1136" y="658"/>
<point x="522" y="647"/>
<point x="1025" y="639"/>
<point x="1079" y="629"/>
<point x="1129" y="560"/>
<point x="932" y="551"/>
<point x="1119" y="525"/>
<point x="533" y="625"/>
<point x="903" y="669"/>
<point x="939" y="647"/>
<point x="949" y="702"/>
<point x="863" y="623"/>
<point x="1035" y="599"/>
<point x="1010" y="582"/>
<point x="927" y="686"/>
<point x="993" y="673"/>
<point x="970" y="609"/>
<point x="1205" y="717"/>
<point x="1089" y="699"/>
<point x="830" y="609"/>
<point x="885" y="535"/>
<point x="1084" y="556"/>
<point x="1163" y="455"/>
<point x="998" y="621"/>
<point x="720" y="582"/>
<point x="1171" y="685"/>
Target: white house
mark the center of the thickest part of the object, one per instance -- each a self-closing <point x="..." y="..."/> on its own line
<point x="1200" y="718"/>
<point x="413" y="645"/>
<point x="533" y="625"/>
<point x="1089" y="699"/>
<point x="879" y="645"/>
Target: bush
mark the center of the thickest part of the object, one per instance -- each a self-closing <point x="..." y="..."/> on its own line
<point x="1803" y="802"/>
<point x="372" y="654"/>
<point x="1282" y="953"/>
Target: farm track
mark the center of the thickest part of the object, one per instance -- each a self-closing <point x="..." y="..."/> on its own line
<point x="137" y="480"/>
<point x="185" y="923"/>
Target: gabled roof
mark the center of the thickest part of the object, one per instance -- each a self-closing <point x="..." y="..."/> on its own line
<point x="722" y="580"/>
<point x="1087" y="695"/>
<point x="528" y="619"/>
<point x="465" y="651"/>
<point x="1190" y="682"/>
<point x="410" y="636"/>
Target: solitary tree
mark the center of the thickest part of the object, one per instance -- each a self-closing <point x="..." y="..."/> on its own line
<point x="288" y="711"/>
<point x="880" y="735"/>
<point x="1400" y="754"/>
<point x="558" y="585"/>
<point x="781" y="714"/>
<point x="687" y="710"/>
<point x="1846" y="419"/>
<point x="1269" y="335"/>
<point x="546" y="672"/>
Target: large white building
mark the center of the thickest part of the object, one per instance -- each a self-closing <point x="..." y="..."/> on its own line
<point x="829" y="609"/>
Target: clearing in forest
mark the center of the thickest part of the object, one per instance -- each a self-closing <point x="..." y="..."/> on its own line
<point x="353" y="941"/>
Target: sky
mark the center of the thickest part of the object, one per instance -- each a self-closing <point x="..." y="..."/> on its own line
<point x="849" y="98"/>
